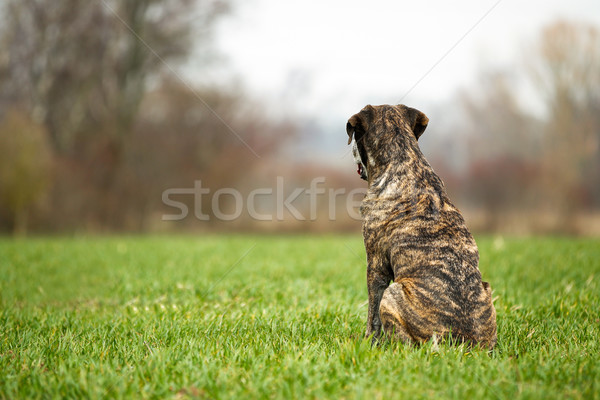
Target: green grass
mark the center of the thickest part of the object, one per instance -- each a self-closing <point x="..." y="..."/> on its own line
<point x="278" y="317"/>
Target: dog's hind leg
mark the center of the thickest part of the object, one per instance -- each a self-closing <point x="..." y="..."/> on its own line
<point x="393" y="312"/>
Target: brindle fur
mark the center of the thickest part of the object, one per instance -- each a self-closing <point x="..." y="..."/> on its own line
<point x="416" y="239"/>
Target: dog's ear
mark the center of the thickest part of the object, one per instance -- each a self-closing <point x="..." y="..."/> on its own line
<point x="357" y="124"/>
<point x="418" y="121"/>
<point x="351" y="126"/>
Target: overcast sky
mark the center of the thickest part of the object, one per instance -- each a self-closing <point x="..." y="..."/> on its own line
<point x="326" y="59"/>
<point x="345" y="53"/>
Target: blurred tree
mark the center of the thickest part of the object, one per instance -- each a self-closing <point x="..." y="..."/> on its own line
<point x="25" y="166"/>
<point x="503" y="144"/>
<point x="500" y="123"/>
<point x="549" y="164"/>
<point x="81" y="69"/>
<point x="77" y="65"/>
<point x="566" y="69"/>
<point x="177" y="140"/>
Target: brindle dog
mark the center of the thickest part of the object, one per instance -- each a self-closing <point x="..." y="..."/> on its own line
<point x="415" y="238"/>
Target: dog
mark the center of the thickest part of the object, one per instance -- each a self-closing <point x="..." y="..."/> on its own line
<point x="422" y="262"/>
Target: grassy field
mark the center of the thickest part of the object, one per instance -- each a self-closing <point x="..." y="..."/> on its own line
<point x="278" y="317"/>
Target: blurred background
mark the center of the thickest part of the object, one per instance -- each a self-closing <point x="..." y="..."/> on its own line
<point x="106" y="104"/>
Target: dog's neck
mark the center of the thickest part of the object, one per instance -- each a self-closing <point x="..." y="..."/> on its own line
<point x="408" y="176"/>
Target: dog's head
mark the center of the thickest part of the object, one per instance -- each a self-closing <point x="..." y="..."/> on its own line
<point x="376" y="128"/>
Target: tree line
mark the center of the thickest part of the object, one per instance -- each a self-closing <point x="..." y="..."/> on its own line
<point x="538" y="170"/>
<point x="96" y="123"/>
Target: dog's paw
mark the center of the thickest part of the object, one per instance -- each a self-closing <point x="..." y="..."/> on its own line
<point x="373" y="334"/>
